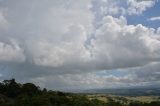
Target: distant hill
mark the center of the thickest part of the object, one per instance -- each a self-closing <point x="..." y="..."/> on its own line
<point x="138" y="91"/>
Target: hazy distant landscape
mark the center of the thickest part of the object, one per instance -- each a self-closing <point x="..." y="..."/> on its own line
<point x="142" y="91"/>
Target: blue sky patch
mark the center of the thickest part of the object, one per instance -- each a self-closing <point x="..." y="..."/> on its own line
<point x="143" y="18"/>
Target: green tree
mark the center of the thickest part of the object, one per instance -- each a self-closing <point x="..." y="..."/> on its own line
<point x="30" y="89"/>
<point x="10" y="88"/>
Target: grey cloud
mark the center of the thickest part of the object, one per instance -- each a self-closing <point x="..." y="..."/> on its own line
<point x="134" y="77"/>
<point x="148" y="72"/>
<point x="11" y="53"/>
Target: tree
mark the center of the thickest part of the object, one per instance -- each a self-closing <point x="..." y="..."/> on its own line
<point x="30" y="89"/>
<point x="10" y="87"/>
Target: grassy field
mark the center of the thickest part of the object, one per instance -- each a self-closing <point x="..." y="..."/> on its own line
<point x="105" y="98"/>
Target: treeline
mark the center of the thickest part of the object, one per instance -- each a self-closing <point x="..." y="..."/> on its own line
<point x="28" y="94"/>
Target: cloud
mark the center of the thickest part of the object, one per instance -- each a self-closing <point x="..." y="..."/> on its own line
<point x="133" y="77"/>
<point x="11" y="53"/>
<point x="118" y="7"/>
<point x="82" y="81"/>
<point x="148" y="73"/>
<point x="118" y="45"/>
<point x="3" y="22"/>
<point x="139" y="6"/>
<point x="44" y="40"/>
<point x="154" y="19"/>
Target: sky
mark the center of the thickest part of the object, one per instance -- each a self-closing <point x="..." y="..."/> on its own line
<point x="80" y="44"/>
